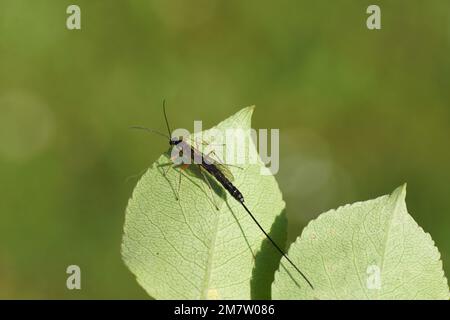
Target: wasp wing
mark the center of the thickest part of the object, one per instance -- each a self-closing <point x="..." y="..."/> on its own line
<point x="212" y="159"/>
<point x="226" y="172"/>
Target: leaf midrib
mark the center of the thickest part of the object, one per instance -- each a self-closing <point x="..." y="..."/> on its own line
<point x="386" y="238"/>
<point x="207" y="278"/>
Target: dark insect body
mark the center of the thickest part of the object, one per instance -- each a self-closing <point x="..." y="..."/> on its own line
<point x="223" y="176"/>
<point x="210" y="166"/>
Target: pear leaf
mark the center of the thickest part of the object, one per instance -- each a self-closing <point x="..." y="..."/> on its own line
<point x="366" y="250"/>
<point x="186" y="248"/>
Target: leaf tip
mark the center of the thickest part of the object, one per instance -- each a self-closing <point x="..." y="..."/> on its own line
<point x="241" y="119"/>
<point x="248" y="110"/>
<point x="400" y="192"/>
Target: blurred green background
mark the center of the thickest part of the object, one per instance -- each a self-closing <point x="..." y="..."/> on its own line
<point x="360" y="112"/>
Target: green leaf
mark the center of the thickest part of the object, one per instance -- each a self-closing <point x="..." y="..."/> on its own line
<point x="186" y="248"/>
<point x="367" y="250"/>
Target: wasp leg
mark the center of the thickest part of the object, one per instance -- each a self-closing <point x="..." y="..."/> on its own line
<point x="135" y="176"/>
<point x="170" y="165"/>
<point x="166" y="170"/>
<point x="204" y="143"/>
<point x="210" y="189"/>
<point x="182" y="167"/>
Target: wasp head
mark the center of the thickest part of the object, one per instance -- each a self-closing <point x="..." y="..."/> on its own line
<point x="175" y="140"/>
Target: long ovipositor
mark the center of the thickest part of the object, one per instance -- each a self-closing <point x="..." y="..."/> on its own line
<point x="209" y="165"/>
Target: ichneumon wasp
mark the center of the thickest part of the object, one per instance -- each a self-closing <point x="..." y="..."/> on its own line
<point x="216" y="169"/>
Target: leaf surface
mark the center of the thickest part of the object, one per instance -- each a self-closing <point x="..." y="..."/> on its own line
<point x="367" y="250"/>
<point x="186" y="248"/>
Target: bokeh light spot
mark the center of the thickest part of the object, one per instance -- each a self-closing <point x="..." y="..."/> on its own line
<point x="26" y="126"/>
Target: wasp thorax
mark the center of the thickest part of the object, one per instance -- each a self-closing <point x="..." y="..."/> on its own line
<point x="175" y="140"/>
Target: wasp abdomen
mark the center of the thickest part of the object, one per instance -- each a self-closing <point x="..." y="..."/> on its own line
<point x="220" y="177"/>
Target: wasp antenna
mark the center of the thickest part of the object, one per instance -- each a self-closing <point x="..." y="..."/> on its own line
<point x="150" y="131"/>
<point x="165" y="117"/>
